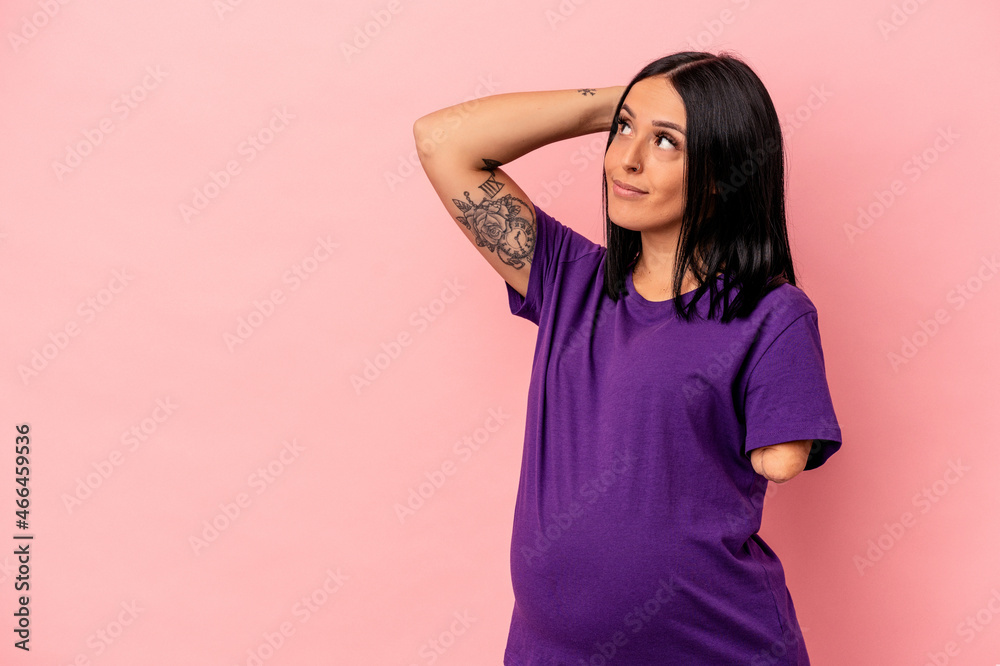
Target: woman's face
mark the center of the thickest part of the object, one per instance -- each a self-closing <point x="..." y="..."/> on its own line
<point x="649" y="154"/>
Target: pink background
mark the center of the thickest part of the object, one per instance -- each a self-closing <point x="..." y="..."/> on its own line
<point x="152" y="298"/>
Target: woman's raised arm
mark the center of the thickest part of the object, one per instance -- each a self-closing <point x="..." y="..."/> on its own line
<point x="462" y="148"/>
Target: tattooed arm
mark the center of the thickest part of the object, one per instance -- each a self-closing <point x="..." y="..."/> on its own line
<point x="462" y="148"/>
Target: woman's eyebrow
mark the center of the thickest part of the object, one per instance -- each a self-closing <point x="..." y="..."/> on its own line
<point x="656" y="123"/>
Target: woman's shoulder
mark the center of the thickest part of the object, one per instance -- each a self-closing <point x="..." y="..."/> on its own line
<point x="782" y="305"/>
<point x="792" y="296"/>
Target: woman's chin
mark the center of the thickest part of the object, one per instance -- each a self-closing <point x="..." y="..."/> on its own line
<point x="634" y="222"/>
<point x="625" y="221"/>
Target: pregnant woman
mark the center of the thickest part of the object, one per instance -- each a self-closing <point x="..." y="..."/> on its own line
<point x="677" y="370"/>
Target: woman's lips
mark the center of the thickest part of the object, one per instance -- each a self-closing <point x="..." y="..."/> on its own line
<point x="626" y="191"/>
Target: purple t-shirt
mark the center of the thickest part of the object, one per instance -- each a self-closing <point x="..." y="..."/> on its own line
<point x="635" y="527"/>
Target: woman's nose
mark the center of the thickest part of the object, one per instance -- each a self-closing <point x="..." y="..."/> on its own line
<point x="632" y="157"/>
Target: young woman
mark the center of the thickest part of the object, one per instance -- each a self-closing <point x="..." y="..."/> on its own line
<point x="677" y="370"/>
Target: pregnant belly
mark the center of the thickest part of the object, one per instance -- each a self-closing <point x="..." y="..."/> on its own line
<point x="578" y="577"/>
<point x="582" y="580"/>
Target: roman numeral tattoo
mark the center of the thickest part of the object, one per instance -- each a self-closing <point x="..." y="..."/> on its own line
<point x="492" y="186"/>
<point x="498" y="224"/>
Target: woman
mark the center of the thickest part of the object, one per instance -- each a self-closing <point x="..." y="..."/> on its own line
<point x="677" y="370"/>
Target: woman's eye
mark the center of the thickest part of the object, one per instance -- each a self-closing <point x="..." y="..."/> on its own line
<point x="669" y="143"/>
<point x="626" y="129"/>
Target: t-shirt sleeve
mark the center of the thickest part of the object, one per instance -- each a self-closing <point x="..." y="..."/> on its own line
<point x="787" y="395"/>
<point x="555" y="243"/>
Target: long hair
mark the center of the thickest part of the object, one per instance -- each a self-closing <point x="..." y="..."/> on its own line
<point x="734" y="184"/>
